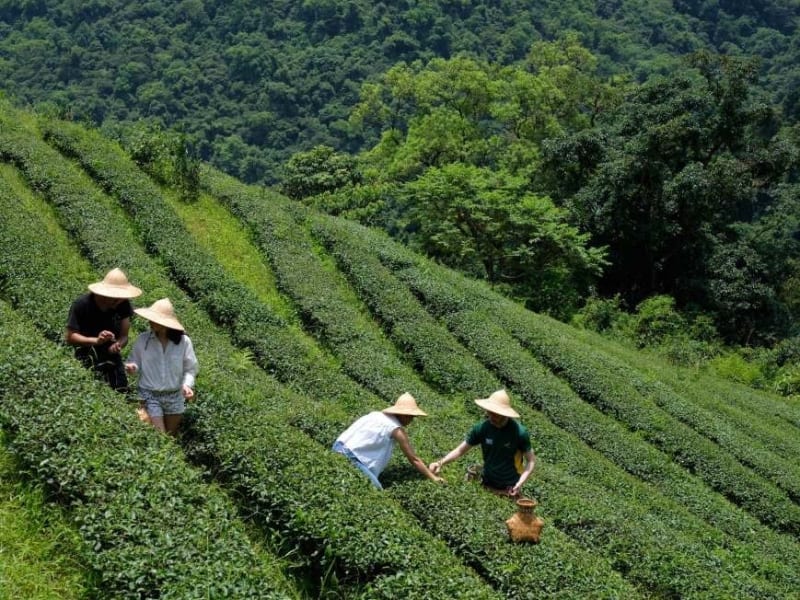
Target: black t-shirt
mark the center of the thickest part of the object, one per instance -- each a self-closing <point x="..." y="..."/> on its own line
<point x="86" y="318"/>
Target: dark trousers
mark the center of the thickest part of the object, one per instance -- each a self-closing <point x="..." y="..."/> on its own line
<point x="107" y="367"/>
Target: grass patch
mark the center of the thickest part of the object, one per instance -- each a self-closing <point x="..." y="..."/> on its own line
<point x="220" y="234"/>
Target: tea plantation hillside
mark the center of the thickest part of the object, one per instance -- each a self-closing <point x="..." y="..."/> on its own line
<point x="653" y="483"/>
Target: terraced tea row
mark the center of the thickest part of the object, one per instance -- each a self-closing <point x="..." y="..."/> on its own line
<point x="659" y="545"/>
<point x="134" y="503"/>
<point x="358" y="253"/>
<point x="281" y="237"/>
<point x="157" y="210"/>
<point x="347" y="534"/>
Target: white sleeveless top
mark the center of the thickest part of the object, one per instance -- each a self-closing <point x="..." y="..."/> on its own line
<point x="370" y="439"/>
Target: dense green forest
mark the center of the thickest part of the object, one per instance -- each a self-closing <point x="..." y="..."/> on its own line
<point x="255" y="82"/>
<point x="590" y="159"/>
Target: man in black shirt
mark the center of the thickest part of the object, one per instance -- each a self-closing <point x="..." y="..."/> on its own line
<point x="98" y="325"/>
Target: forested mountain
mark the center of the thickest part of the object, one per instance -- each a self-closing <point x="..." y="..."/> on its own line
<point x="255" y="82"/>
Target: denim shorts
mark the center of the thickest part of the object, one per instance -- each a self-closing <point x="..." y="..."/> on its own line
<point x="158" y="404"/>
<point x="340" y="448"/>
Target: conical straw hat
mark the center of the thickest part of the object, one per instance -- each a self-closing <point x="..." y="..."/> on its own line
<point x="161" y="312"/>
<point x="115" y="285"/>
<point x="498" y="403"/>
<point x="406" y="405"/>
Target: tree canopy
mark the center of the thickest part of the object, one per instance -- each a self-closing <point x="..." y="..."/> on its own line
<point x="676" y="182"/>
<point x="252" y="83"/>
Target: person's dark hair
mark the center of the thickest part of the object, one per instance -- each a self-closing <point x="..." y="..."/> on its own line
<point x="174" y="335"/>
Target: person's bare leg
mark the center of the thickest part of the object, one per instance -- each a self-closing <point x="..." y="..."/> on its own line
<point x="158" y="423"/>
<point x="172" y="423"/>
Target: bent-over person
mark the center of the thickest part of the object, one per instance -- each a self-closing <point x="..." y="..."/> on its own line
<point x="369" y="442"/>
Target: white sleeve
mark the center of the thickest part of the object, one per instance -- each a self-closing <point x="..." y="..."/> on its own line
<point x="190" y="364"/>
<point x="135" y="356"/>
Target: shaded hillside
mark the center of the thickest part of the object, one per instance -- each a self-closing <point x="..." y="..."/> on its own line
<point x="255" y="82"/>
<point x="315" y="320"/>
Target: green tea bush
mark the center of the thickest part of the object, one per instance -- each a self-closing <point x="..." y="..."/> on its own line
<point x="442" y="291"/>
<point x="218" y="452"/>
<point x="758" y="413"/>
<point x="734" y="367"/>
<point x="153" y="527"/>
<point x="323" y="301"/>
<point x="320" y="316"/>
<point x="356" y="253"/>
<point x="466" y="515"/>
<point x="591" y="377"/>
<point x="278" y="489"/>
<point x="282" y="236"/>
<point x="273" y="343"/>
<point x="442" y="361"/>
<point x="94" y="440"/>
<point x="320" y="307"/>
<point x="573" y="362"/>
<point x="518" y="571"/>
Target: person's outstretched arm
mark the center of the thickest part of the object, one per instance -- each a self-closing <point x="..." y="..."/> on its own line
<point x="401" y="437"/>
<point x="530" y="462"/>
<point x="454" y="454"/>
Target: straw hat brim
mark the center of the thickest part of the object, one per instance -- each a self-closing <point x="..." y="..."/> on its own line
<point x="406" y="405"/>
<point x="414" y="412"/>
<point x="156" y="317"/>
<point x="115" y="291"/>
<point x="498" y="409"/>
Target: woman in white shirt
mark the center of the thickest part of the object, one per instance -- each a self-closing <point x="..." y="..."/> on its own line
<point x="167" y="366"/>
<point x="368" y="443"/>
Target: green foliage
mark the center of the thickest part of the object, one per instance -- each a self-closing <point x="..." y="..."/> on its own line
<point x="461" y="142"/>
<point x="644" y="479"/>
<point x="356" y="251"/>
<point x="256" y="83"/>
<point x="655" y="320"/>
<point x="168" y="157"/>
<point x="85" y="448"/>
<point x="684" y="183"/>
<point x="613" y="395"/>
<point x="320" y="295"/>
<point x="488" y="225"/>
<point x="347" y="537"/>
<point x="148" y="527"/>
<point x="656" y="325"/>
<point x="787" y="381"/>
<point x="493" y="346"/>
<point x="317" y="171"/>
<point x="603" y="315"/>
<point x="40" y="549"/>
<point x="735" y="367"/>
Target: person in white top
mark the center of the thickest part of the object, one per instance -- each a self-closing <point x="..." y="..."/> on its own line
<point x="166" y="364"/>
<point x="368" y="443"/>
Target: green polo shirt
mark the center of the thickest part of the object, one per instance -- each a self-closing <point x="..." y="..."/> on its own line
<point x="503" y="449"/>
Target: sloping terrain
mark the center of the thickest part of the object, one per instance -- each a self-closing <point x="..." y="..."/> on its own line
<point x="652" y="483"/>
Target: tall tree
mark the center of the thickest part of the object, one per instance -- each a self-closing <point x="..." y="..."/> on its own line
<point x="461" y="144"/>
<point x="679" y="166"/>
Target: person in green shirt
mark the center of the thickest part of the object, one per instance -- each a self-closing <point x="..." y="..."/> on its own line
<point x="508" y="459"/>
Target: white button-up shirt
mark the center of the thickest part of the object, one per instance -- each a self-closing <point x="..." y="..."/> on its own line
<point x="370" y="439"/>
<point x="164" y="368"/>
